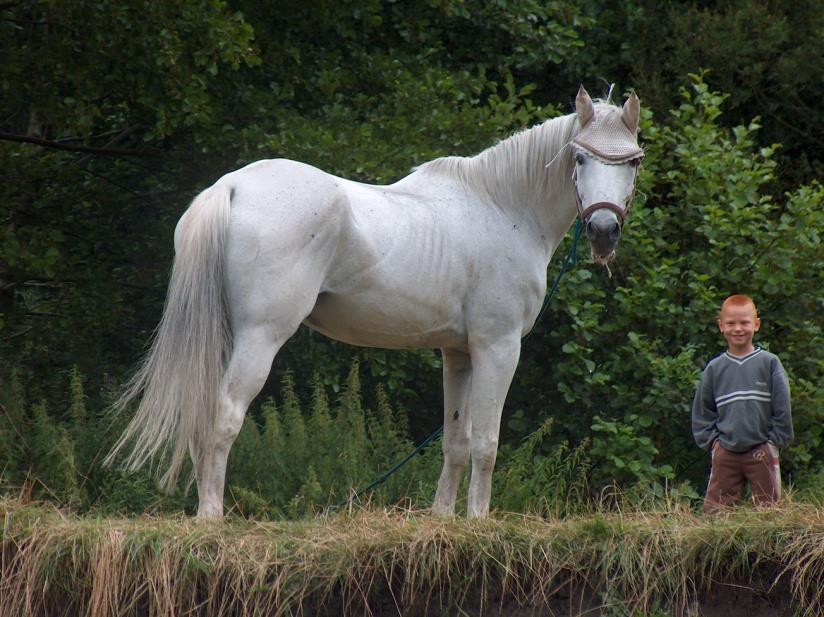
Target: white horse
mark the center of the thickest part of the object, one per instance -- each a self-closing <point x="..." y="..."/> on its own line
<point x="453" y="256"/>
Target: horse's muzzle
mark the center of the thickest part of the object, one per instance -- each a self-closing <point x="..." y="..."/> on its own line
<point x="604" y="233"/>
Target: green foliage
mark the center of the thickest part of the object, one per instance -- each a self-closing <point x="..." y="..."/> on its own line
<point x="296" y="463"/>
<point x="172" y="95"/>
<point x="308" y="460"/>
<point x="286" y="462"/>
<point x="624" y="456"/>
<point x="54" y="464"/>
<point x="546" y="480"/>
<point x="712" y="204"/>
<point x="350" y="427"/>
<point x="13" y="419"/>
<point x="294" y="437"/>
<point x="247" y="453"/>
<point x="625" y="352"/>
<point x="765" y="75"/>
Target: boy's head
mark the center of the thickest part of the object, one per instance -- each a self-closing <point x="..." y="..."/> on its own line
<point x="738" y="321"/>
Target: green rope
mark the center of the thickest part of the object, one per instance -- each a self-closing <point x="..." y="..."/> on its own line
<point x="394" y="468"/>
<point x="570" y="258"/>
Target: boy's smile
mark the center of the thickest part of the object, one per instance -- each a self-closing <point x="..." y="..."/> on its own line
<point x="739" y="323"/>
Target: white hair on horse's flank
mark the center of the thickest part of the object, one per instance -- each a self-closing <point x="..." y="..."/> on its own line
<point x="523" y="167"/>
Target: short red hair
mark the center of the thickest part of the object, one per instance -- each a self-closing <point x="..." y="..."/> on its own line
<point x="739" y="300"/>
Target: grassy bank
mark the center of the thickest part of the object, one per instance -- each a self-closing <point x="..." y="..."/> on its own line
<point x="401" y="562"/>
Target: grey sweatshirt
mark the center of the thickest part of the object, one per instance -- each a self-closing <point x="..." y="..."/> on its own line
<point x="743" y="402"/>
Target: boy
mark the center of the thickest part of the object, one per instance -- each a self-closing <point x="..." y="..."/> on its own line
<point x="741" y="412"/>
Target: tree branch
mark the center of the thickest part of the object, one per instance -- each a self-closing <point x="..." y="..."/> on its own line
<point x="118" y="133"/>
<point x="45" y="143"/>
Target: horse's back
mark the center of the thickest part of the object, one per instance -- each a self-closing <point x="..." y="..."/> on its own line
<point x="402" y="268"/>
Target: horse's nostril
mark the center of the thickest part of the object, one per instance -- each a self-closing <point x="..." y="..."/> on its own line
<point x="604" y="229"/>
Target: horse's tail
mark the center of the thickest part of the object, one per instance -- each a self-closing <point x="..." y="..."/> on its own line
<point x="178" y="381"/>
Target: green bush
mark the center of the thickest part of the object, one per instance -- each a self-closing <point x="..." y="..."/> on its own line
<point x="622" y="355"/>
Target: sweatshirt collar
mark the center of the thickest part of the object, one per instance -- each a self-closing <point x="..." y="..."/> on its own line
<point x="742" y="359"/>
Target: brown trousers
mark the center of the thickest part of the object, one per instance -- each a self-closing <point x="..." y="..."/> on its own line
<point x="732" y="470"/>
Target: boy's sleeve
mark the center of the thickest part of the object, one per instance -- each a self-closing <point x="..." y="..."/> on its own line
<point x="781" y="431"/>
<point x="704" y="413"/>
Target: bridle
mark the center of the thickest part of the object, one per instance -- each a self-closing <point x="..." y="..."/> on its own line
<point x="620" y="212"/>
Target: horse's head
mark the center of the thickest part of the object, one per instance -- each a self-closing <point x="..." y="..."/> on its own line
<point x="607" y="157"/>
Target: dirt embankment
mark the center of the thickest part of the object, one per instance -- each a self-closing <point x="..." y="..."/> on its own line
<point x="382" y="564"/>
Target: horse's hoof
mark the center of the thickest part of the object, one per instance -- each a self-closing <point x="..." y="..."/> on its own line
<point x="209" y="513"/>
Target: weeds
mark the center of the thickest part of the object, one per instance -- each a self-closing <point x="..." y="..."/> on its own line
<point x="289" y="460"/>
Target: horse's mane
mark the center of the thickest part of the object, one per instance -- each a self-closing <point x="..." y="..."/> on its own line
<point x="527" y="164"/>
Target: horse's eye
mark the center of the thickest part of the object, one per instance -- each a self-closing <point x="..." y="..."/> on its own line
<point x="580" y="158"/>
<point x="635" y="162"/>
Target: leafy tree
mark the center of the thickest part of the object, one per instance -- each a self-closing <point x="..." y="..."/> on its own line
<point x="756" y="51"/>
<point x="115" y="114"/>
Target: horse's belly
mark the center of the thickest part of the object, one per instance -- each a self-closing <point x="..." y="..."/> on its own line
<point x="390" y="321"/>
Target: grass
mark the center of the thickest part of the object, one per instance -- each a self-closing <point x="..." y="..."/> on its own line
<point x="402" y="562"/>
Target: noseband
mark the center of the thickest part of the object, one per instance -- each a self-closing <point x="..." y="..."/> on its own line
<point x="585" y="213"/>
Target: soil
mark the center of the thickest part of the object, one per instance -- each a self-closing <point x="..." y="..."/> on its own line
<point x="725" y="600"/>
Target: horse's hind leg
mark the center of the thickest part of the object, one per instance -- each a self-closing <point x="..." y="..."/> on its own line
<point x="457" y="374"/>
<point x="252" y="354"/>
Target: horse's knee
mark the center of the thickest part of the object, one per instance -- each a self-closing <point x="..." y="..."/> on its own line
<point x="456" y="452"/>
<point x="484" y="453"/>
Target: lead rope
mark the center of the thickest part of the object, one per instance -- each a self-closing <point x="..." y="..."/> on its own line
<point x="570" y="258"/>
<point x="392" y="470"/>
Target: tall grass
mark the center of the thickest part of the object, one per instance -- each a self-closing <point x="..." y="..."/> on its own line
<point x="292" y="458"/>
<point x="404" y="562"/>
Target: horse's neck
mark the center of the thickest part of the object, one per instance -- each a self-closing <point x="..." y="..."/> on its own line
<point x="528" y="176"/>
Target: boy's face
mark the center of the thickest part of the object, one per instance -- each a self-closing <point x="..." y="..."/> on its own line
<point x="738" y="324"/>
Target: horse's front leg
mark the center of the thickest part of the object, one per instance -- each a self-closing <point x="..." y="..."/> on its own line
<point x="457" y="374"/>
<point x="493" y="366"/>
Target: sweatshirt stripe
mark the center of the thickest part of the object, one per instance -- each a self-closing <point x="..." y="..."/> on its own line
<point x="718" y="399"/>
<point x="763" y="399"/>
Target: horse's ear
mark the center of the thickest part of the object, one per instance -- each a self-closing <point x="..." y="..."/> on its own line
<point x="632" y="112"/>
<point x="584" y="107"/>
